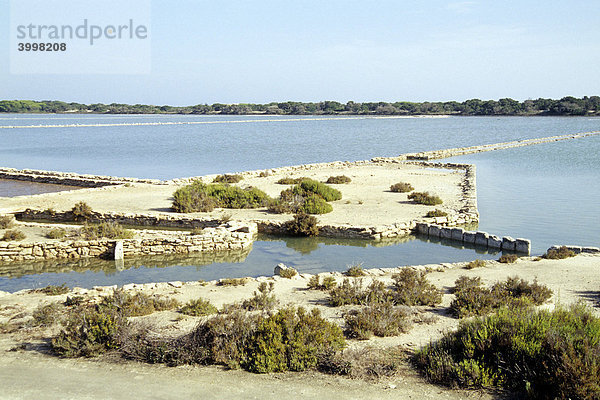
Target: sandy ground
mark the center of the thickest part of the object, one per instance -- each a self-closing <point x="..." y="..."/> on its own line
<point x="571" y="280"/>
<point x="366" y="201"/>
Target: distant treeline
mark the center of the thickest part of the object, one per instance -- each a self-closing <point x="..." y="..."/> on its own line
<point x="565" y="106"/>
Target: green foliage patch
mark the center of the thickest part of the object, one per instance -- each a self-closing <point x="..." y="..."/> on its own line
<point x="198" y="307"/>
<point x="425" y="198"/>
<point x="108" y="230"/>
<point x="200" y="197"/>
<point x="559" y="254"/>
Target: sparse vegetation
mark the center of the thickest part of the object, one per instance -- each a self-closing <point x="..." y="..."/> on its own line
<point x="401" y="187"/>
<point x="199" y="197"/>
<point x="288" y="273"/>
<point x="6" y="221"/>
<point x="436" y="213"/>
<point x="355" y="271"/>
<point x="263" y="298"/>
<point x="48" y="314"/>
<point x="475" y="264"/>
<point x="56" y="233"/>
<point x="559" y="254"/>
<point x="228" y="178"/>
<point x="367" y="363"/>
<point x="315" y="283"/>
<point x="53" y="290"/>
<point x="233" y="281"/>
<point x="379" y="319"/>
<point x="108" y="230"/>
<point x="13" y="235"/>
<point x="128" y="305"/>
<point x="302" y="225"/>
<point x="198" y="307"/>
<point x="425" y="198"/>
<point x="412" y="288"/>
<point x="508" y="258"/>
<point x="353" y="293"/>
<point x="338" y="180"/>
<point x="291" y="181"/>
<point x="225" y="218"/>
<point x="541" y="354"/>
<point x="81" y="211"/>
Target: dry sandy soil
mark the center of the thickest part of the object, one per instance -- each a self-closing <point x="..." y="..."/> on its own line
<point x="31" y="373"/>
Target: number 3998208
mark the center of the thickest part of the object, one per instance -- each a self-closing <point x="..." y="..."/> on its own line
<point x="42" y="47"/>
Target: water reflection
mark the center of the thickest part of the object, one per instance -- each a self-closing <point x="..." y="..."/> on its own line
<point x="13" y="188"/>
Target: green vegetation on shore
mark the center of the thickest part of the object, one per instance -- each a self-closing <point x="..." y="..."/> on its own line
<point x="565" y="106"/>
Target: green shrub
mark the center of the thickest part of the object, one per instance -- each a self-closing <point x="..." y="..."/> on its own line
<point x="436" y="213"/>
<point x="541" y="354"/>
<point x="198" y="307"/>
<point x="263" y="299"/>
<point x="379" y="319"/>
<point x="326" y="192"/>
<point x="355" y="271"/>
<point x="411" y="288"/>
<point x="48" y="315"/>
<point x="56" y="233"/>
<point x="187" y="200"/>
<point x="13" y="235"/>
<point x="291" y="181"/>
<point x="201" y="197"/>
<point x="53" y="290"/>
<point x="108" y="230"/>
<point x="81" y="211"/>
<point x="314" y="204"/>
<point x="508" y="258"/>
<point x="425" y="198"/>
<point x="6" y="221"/>
<point x="401" y="187"/>
<point x="227" y="178"/>
<point x="475" y="264"/>
<point x="337" y="180"/>
<point x="315" y="283"/>
<point x="302" y="225"/>
<point x="353" y="293"/>
<point x="139" y="304"/>
<point x="559" y="254"/>
<point x="288" y="273"/>
<point x="233" y="281"/>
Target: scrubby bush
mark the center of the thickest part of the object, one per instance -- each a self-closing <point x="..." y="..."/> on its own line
<point x="288" y="273"/>
<point x="307" y="197"/>
<point x="436" y="213"/>
<point x="314" y="204"/>
<point x="326" y="192"/>
<point x="315" y="283"/>
<point x="233" y="281"/>
<point x="475" y="264"/>
<point x="13" y="235"/>
<point x="412" y="288"/>
<point x="108" y="230"/>
<point x="508" y="258"/>
<point x="559" y="254"/>
<point x="227" y="178"/>
<point x="474" y="299"/>
<point x="198" y="307"/>
<point x="56" y="233"/>
<point x="139" y="304"/>
<point x="425" y="198"/>
<point x="355" y="271"/>
<point x="6" y="221"/>
<point x="291" y="181"/>
<point x="379" y="319"/>
<point x="263" y="298"/>
<point x="81" y="211"/>
<point x="401" y="187"/>
<point x="53" y="290"/>
<point x="541" y="354"/>
<point x="203" y="198"/>
<point x="337" y="180"/>
<point x="302" y="225"/>
<point x="354" y="293"/>
<point x="48" y="314"/>
<point x="367" y="363"/>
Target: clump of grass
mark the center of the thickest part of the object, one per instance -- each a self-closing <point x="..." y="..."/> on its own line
<point x="369" y="363"/>
<point x="540" y="354"/>
<point x="425" y="198"/>
<point x="263" y="298"/>
<point x="47" y="315"/>
<point x="401" y="187"/>
<point x="315" y="283"/>
<point x="291" y="181"/>
<point x="338" y="180"/>
<point x="379" y="319"/>
<point x="13" y="235"/>
<point x="475" y="264"/>
<point x="355" y="271"/>
<point x="288" y="273"/>
<point x="56" y="233"/>
<point x="53" y="290"/>
<point x="436" y="213"/>
<point x="82" y="211"/>
<point x="198" y="307"/>
<point x="199" y="197"/>
<point x="109" y="230"/>
<point x="228" y="178"/>
<point x="474" y="299"/>
<point x="559" y="254"/>
<point x="6" y="221"/>
<point x="225" y="218"/>
<point x="508" y="258"/>
<point x="302" y="225"/>
<point x="139" y="304"/>
<point x="412" y="288"/>
<point x="233" y="281"/>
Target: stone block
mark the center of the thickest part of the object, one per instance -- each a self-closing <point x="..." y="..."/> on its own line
<point x="457" y="234"/>
<point x="508" y="243"/>
<point x="481" y="238"/>
<point x="469" y="237"/>
<point x="434" y="231"/>
<point x="494" y="242"/>
<point x="281" y="267"/>
<point x="423" y="228"/>
<point x="446" y="233"/>
<point x="591" y="250"/>
<point x="523" y="245"/>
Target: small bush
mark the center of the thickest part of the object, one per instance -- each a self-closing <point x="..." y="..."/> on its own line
<point x="355" y="271"/>
<point x="411" y="288"/>
<point x="475" y="264"/>
<point x="233" y="281"/>
<point x="401" y="187"/>
<point x="228" y="178"/>
<point x="326" y="192"/>
<point x="315" y="283"/>
<point x="381" y="319"/>
<point x="198" y="307"/>
<point x="81" y="211"/>
<point x="290" y="181"/>
<point x="109" y="230"/>
<point x="203" y="198"/>
<point x="302" y="225"/>
<point x="48" y="315"/>
<point x="559" y="254"/>
<point x="288" y="273"/>
<point x="263" y="298"/>
<point x="13" y="235"/>
<point x="314" y="204"/>
<point x="436" y="213"/>
<point x="7" y="221"/>
<point x="366" y="363"/>
<point x="541" y="354"/>
<point x="508" y="258"/>
<point x="425" y="198"/>
<point x="135" y="305"/>
<point x="353" y="293"/>
<point x="225" y="218"/>
<point x="337" y="180"/>
<point x="56" y="233"/>
<point x="52" y="290"/>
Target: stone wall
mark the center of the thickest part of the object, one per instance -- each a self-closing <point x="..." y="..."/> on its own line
<point x="235" y="237"/>
<point x="578" y="249"/>
<point x="69" y="178"/>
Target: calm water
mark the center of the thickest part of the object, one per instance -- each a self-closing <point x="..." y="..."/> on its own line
<point x="547" y="193"/>
<point x="10" y="188"/>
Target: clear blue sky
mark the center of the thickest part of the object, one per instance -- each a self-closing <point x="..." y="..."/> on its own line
<point x="417" y="50"/>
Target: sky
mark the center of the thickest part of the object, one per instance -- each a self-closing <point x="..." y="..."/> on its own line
<point x="274" y="50"/>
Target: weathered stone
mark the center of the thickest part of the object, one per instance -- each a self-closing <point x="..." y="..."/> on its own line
<point x="481" y="238"/>
<point x="434" y="231"/>
<point x="423" y="228"/>
<point x="457" y="234"/>
<point x="523" y="245"/>
<point x="281" y="267"/>
<point x="446" y="233"/>
<point x="508" y="243"/>
<point x="494" y="242"/>
<point x="591" y="250"/>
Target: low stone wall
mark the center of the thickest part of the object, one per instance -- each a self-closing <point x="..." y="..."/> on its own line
<point x="69" y="178"/>
<point x="235" y="237"/>
<point x="578" y="249"/>
<point x="480" y="239"/>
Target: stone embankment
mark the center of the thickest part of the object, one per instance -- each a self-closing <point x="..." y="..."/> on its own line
<point x="478" y="239"/>
<point x="222" y="238"/>
<point x="461" y="151"/>
<point x="577" y="249"/>
<point x="69" y="178"/>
